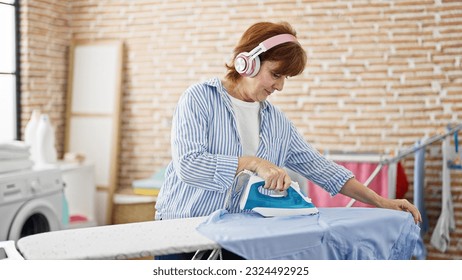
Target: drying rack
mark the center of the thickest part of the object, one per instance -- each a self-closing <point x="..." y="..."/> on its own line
<point x="382" y="160"/>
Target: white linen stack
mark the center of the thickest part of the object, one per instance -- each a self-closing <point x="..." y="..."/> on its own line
<point x="14" y="156"/>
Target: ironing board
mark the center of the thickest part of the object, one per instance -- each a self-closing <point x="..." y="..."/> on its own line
<point x="136" y="240"/>
<point x="121" y="241"/>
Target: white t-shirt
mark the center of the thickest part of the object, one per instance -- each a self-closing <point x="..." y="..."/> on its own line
<point x="248" y="124"/>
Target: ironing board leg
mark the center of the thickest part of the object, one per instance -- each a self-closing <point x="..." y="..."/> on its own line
<point x="214" y="254"/>
<point x="198" y="255"/>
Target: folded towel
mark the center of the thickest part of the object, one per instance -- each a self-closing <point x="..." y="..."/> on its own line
<point x="8" y="154"/>
<point x="14" y="146"/>
<point x="155" y="181"/>
<point x="15" y="165"/>
<point x="148" y="183"/>
<point x="14" y="150"/>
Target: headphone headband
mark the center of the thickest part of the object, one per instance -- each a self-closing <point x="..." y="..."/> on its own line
<point x="278" y="39"/>
<point x="270" y="43"/>
<point x="248" y="64"/>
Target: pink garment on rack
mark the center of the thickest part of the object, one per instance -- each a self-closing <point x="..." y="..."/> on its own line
<point x="362" y="171"/>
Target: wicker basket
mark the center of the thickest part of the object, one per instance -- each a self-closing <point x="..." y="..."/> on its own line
<point x="132" y="209"/>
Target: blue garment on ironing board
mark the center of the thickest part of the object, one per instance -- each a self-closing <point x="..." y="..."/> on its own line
<point x="420" y="251"/>
<point x="334" y="233"/>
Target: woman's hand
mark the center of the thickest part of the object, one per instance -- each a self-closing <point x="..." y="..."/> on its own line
<point x="403" y="205"/>
<point x="276" y="178"/>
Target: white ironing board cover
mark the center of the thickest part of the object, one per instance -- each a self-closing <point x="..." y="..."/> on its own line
<point x="122" y="241"/>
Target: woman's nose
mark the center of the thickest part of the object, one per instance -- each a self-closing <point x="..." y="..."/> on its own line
<point x="279" y="84"/>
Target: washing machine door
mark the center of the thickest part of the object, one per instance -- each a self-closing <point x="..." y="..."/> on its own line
<point x="36" y="216"/>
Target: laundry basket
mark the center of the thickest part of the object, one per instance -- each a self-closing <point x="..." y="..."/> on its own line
<point x="133" y="208"/>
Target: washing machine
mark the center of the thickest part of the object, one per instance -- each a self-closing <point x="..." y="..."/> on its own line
<point x="31" y="202"/>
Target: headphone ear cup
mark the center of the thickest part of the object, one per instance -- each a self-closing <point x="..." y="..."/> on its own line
<point x="255" y="67"/>
<point x="241" y="63"/>
<point x="246" y="66"/>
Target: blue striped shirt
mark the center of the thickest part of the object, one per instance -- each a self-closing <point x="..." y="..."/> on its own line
<point x="206" y="146"/>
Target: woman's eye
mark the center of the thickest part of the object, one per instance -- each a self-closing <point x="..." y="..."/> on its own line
<point x="277" y="76"/>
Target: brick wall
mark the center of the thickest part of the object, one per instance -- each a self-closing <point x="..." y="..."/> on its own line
<point x="44" y="44"/>
<point x="381" y="74"/>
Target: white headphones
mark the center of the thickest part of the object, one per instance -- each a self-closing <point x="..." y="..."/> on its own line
<point x="248" y="63"/>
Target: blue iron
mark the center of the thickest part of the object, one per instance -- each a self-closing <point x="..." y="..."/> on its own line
<point x="270" y="203"/>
